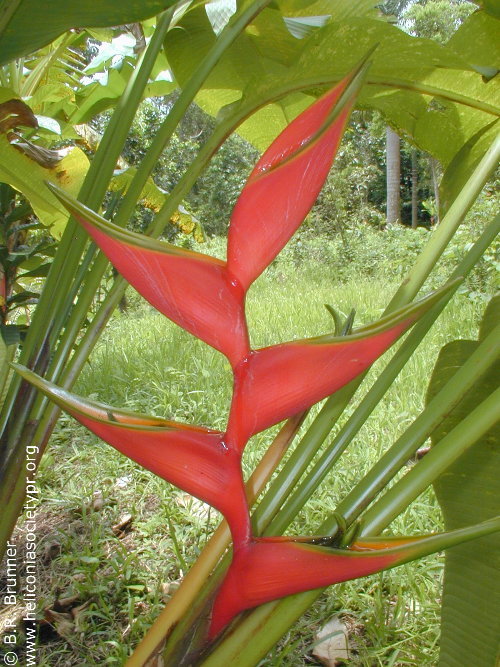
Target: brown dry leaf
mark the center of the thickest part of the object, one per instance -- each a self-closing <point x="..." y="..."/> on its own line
<point x="77" y="612"/>
<point x="65" y="604"/>
<point x="123" y="525"/>
<point x="332" y="644"/>
<point x="51" y="551"/>
<point x="63" y="623"/>
<point x="14" y="113"/>
<point x="98" y="501"/>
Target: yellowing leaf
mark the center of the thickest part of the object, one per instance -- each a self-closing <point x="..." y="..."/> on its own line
<point x="28" y="177"/>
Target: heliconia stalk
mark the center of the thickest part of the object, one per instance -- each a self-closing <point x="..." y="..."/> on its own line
<point x="192" y="458"/>
<point x="286" y="181"/>
<point x="270" y="568"/>
<point x="282" y="380"/>
<point x="192" y="289"/>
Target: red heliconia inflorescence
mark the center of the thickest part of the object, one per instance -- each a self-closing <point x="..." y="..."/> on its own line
<point x="207" y="297"/>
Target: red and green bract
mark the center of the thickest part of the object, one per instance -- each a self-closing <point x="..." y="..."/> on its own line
<point x="206" y="296"/>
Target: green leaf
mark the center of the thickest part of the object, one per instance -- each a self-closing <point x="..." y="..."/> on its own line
<point x="27" y="25"/>
<point x="28" y="177"/>
<point x="89" y="560"/>
<point x="468" y="493"/>
<point x="96" y="97"/>
<point x="10" y="334"/>
<point x="463" y="164"/>
<point x="25" y="296"/>
<point x="477" y="40"/>
<point x="490" y="6"/>
<point x="40" y="272"/>
<point x="99" y="96"/>
<point x="338" y="10"/>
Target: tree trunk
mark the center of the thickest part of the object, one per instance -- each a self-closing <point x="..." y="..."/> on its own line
<point x="393" y="176"/>
<point x="435" y="185"/>
<point x="414" y="189"/>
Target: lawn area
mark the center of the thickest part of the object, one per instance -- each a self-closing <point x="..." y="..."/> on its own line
<point x="117" y="540"/>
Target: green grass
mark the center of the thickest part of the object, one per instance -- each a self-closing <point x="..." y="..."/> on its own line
<point x="145" y="363"/>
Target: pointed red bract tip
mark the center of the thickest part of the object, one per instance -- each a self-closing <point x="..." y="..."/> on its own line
<point x="192" y="458"/>
<point x="283" y="186"/>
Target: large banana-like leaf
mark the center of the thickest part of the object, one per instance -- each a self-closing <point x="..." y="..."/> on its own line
<point x="432" y="93"/>
<point x="28" y="177"/>
<point x="27" y="25"/>
<point x="469" y="492"/>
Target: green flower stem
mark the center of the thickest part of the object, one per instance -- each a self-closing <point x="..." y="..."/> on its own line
<point x="384" y="381"/>
<point x="434" y="463"/>
<point x="14" y="498"/>
<point x="298" y="462"/>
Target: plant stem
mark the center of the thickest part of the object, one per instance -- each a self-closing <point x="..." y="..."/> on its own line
<point x="352" y="426"/>
<point x="434" y="463"/>
<point x="279" y="615"/>
<point x="406" y="445"/>
<point x="298" y="462"/>
<point x="444" y="232"/>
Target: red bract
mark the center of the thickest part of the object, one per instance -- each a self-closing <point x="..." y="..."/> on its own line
<point x="192" y="458"/>
<point x="282" y="380"/>
<point x="192" y="289"/>
<point x="283" y="186"/>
